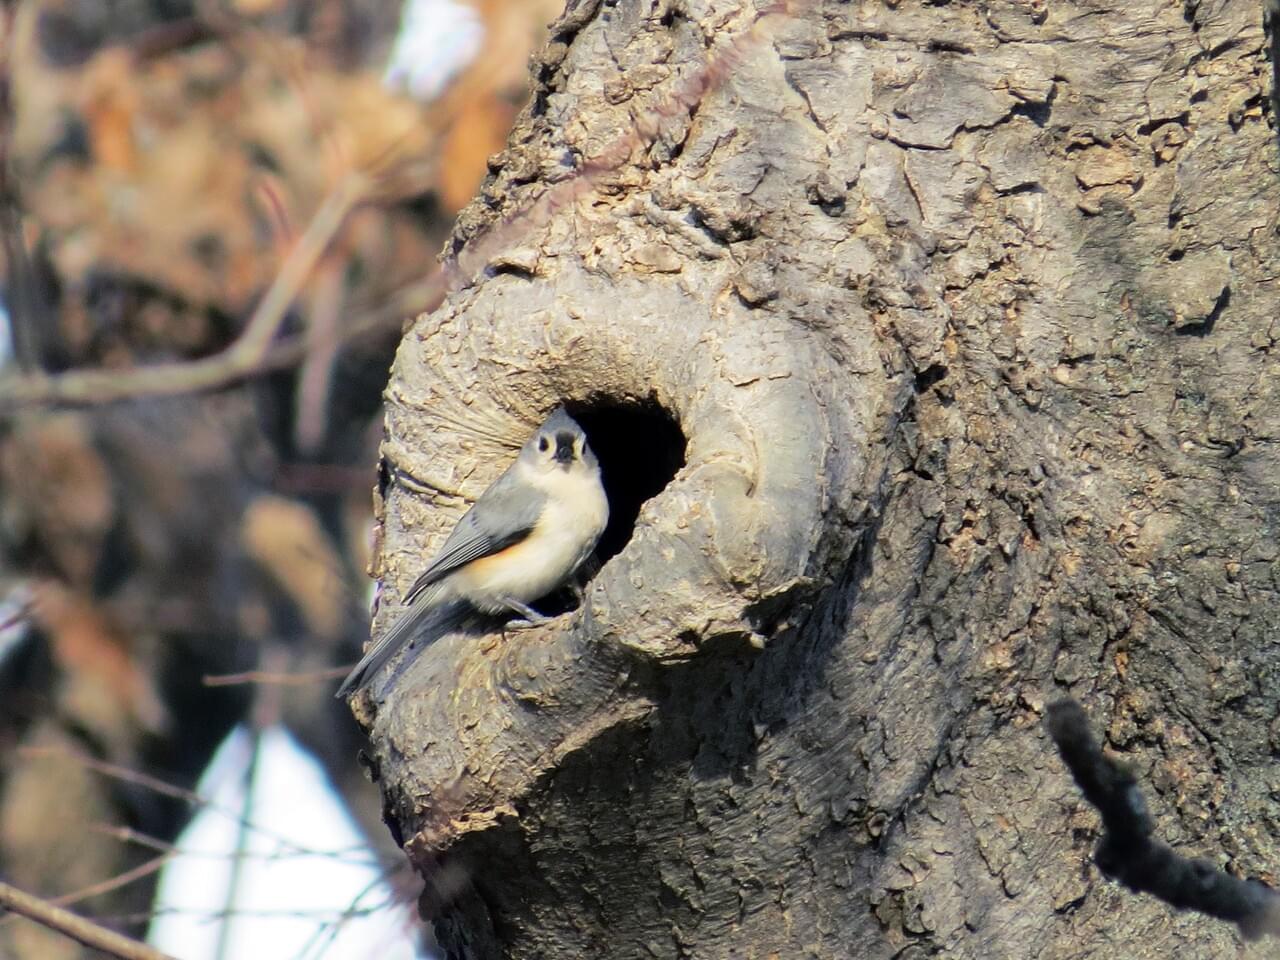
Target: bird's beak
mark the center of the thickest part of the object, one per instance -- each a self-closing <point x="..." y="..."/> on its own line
<point x="564" y="448"/>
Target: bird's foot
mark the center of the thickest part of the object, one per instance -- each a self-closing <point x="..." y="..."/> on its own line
<point x="522" y="624"/>
<point x="530" y="617"/>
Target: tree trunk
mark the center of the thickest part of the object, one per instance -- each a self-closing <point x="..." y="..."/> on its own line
<point x="964" y="314"/>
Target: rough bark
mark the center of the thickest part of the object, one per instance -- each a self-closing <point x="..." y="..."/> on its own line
<point x="964" y="311"/>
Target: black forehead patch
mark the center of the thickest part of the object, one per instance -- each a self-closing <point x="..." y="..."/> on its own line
<point x="564" y="443"/>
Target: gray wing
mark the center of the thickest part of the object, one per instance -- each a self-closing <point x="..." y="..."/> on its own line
<point x="504" y="515"/>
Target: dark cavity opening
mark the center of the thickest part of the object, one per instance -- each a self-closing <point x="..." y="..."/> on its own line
<point x="640" y="448"/>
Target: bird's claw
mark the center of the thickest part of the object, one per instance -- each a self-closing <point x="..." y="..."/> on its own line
<point x="524" y="623"/>
<point x="529" y="616"/>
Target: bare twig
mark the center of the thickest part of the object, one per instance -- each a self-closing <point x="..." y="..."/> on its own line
<point x="241" y="359"/>
<point x="264" y="714"/>
<point x="321" y="478"/>
<point x="240" y="850"/>
<point x="320" y="915"/>
<point x="326" y="933"/>
<point x="324" y="340"/>
<point x="356" y="854"/>
<point x="164" y="788"/>
<point x="21" y="614"/>
<point x="275" y="678"/>
<point x="1129" y="853"/>
<point x="116" y="772"/>
<point x="113" y="883"/>
<point x="76" y="927"/>
<point x="106" y="886"/>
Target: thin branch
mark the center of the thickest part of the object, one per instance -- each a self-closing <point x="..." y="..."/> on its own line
<point x="164" y="788"/>
<point x="358" y="854"/>
<point x="324" y="342"/>
<point x="130" y="835"/>
<point x="76" y="927"/>
<point x="1130" y="854"/>
<point x="106" y="886"/>
<point x="327" y="932"/>
<point x="113" y="883"/>
<point x="318" y="915"/>
<point x="321" y="478"/>
<point x="116" y="772"/>
<point x="276" y="678"/>
<point x="241" y="848"/>
<point x="20" y="615"/>
<point x="239" y="360"/>
<point x="264" y="714"/>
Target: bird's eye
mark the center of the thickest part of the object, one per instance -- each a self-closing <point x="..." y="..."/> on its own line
<point x="543" y="444"/>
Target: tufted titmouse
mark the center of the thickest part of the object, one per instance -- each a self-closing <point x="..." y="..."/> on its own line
<point x="524" y="537"/>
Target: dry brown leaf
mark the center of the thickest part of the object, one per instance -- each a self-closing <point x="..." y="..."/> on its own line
<point x="102" y="688"/>
<point x="57" y="493"/>
<point x="288" y="541"/>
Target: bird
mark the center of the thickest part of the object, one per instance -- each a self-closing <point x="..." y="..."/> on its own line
<point x="525" y="536"/>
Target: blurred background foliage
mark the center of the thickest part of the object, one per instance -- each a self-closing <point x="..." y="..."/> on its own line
<point x="160" y="161"/>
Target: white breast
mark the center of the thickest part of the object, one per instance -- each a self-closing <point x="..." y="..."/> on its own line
<point x="567" y="532"/>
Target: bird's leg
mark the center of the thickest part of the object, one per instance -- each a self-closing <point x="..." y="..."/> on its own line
<point x="532" y="618"/>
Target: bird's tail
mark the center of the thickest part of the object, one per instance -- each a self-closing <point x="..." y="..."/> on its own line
<point x="423" y="621"/>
